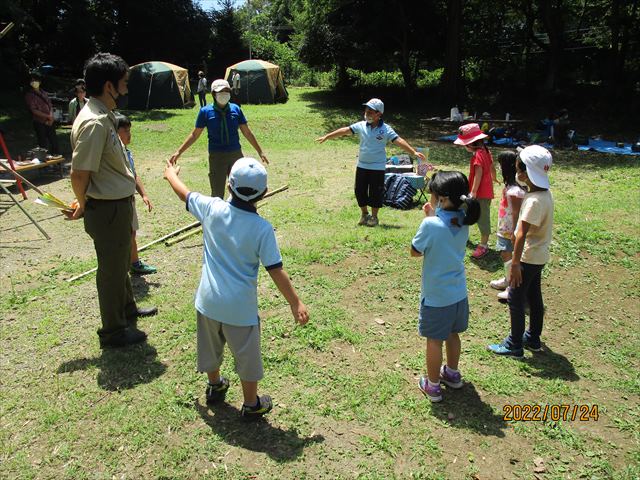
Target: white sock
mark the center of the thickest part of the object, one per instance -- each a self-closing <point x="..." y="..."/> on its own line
<point x="450" y="369"/>
<point x="433" y="384"/>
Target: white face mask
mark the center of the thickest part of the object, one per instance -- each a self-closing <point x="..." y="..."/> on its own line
<point x="223" y="98"/>
<point x="35" y="84"/>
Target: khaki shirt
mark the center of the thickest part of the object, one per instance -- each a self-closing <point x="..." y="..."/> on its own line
<point x="98" y="149"/>
<point x="537" y="210"/>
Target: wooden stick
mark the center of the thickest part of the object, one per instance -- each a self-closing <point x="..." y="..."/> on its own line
<point x="144" y="247"/>
<point x="173" y="241"/>
<point x="22" y="179"/>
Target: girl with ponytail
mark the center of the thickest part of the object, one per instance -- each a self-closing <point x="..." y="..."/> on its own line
<point x="444" y="308"/>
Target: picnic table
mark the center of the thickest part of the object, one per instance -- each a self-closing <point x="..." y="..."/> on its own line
<point x="25" y="166"/>
<point x="455" y="123"/>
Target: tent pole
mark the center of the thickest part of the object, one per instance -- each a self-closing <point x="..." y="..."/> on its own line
<point x="149" y="92"/>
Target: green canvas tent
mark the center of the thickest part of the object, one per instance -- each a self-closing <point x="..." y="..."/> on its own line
<point x="158" y="85"/>
<point x="260" y="82"/>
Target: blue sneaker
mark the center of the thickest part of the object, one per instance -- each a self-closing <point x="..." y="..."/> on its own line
<point x="502" y="349"/>
<point x="530" y="344"/>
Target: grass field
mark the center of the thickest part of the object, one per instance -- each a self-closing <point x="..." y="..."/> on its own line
<point x="344" y="386"/>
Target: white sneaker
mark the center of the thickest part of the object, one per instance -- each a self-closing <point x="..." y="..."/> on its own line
<point x="504" y="296"/>
<point x="499" y="284"/>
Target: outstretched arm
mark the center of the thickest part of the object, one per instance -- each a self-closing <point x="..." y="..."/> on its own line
<point x="251" y="138"/>
<point x="404" y="145"/>
<point x="282" y="281"/>
<point x="341" y="132"/>
<point x="191" y="138"/>
<point x="171" y="175"/>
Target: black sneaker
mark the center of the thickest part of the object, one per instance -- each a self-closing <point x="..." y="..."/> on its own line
<point x="216" y="393"/>
<point x="130" y="336"/>
<point x="530" y="344"/>
<point x="261" y="408"/>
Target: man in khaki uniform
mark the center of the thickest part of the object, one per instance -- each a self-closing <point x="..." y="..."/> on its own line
<point x="104" y="185"/>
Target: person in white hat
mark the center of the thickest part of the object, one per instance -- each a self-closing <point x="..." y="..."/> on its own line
<point x="236" y="241"/>
<point x="530" y="253"/>
<point x="222" y="119"/>
<point x="374" y="135"/>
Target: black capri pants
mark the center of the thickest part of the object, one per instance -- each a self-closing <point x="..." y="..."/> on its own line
<point x="369" y="187"/>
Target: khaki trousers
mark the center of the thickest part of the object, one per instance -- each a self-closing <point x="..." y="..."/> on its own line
<point x="108" y="223"/>
<point x="220" y="164"/>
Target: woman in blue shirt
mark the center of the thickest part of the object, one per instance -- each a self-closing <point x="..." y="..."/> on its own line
<point x="222" y="120"/>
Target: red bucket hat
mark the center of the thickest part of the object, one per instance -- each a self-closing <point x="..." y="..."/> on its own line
<point x="469" y="133"/>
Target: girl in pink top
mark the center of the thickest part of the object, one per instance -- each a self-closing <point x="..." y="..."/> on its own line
<point x="512" y="195"/>
<point x="482" y="174"/>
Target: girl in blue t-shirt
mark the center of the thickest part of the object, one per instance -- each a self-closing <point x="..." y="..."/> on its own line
<point x="444" y="309"/>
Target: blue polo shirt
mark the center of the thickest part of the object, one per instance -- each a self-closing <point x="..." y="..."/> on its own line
<point x="373" y="140"/>
<point x="443" y="246"/>
<point x="210" y="118"/>
<point x="236" y="241"/>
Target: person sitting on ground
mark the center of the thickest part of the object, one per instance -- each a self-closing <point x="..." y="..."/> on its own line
<point x="124" y="132"/>
<point x="236" y="240"/>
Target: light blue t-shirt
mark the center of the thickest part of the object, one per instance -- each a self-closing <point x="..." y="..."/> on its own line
<point x="221" y="139"/>
<point x="373" y="140"/>
<point x="236" y="241"/>
<point x="443" y="246"/>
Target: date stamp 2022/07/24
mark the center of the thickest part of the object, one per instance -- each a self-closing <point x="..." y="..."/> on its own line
<point x="555" y="412"/>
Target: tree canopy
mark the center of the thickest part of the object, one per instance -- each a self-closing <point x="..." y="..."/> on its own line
<point x="502" y="46"/>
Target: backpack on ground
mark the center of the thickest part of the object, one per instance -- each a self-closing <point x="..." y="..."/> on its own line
<point x="398" y="192"/>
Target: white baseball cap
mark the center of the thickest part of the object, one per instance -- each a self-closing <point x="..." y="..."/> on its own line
<point x="537" y="160"/>
<point x="375" y="104"/>
<point x="219" y="85"/>
<point x="248" y="178"/>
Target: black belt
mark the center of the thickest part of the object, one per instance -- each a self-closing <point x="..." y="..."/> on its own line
<point x="89" y="199"/>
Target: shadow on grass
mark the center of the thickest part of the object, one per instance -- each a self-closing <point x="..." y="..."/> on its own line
<point x="121" y="369"/>
<point x="145" y="115"/>
<point x="549" y="365"/>
<point x="469" y="412"/>
<point x="256" y="436"/>
<point x="141" y="286"/>
<point x="491" y="262"/>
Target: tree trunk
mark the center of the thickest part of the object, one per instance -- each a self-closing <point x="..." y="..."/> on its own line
<point x="452" y="75"/>
<point x="552" y="19"/>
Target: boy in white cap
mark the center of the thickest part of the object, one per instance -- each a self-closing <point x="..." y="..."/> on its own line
<point x="530" y="253"/>
<point x="372" y="159"/>
<point x="236" y="241"/>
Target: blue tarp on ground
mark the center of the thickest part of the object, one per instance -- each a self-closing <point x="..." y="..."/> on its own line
<point x="603" y="146"/>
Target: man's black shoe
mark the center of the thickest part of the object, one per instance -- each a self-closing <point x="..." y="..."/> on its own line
<point x="141" y="312"/>
<point x="130" y="336"/>
<point x="147" y="312"/>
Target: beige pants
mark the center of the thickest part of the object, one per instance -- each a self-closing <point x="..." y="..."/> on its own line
<point x="220" y="164"/>
<point x="244" y="343"/>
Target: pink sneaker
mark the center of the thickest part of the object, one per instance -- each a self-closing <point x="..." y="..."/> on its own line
<point x="479" y="252"/>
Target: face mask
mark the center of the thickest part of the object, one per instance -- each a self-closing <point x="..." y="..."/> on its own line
<point x="35" y="84"/>
<point x="223" y="98"/>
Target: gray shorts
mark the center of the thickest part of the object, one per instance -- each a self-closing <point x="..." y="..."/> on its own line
<point x="484" y="222"/>
<point x="439" y="322"/>
<point x="504" y="244"/>
<point x="244" y="343"/>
